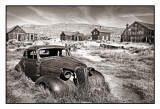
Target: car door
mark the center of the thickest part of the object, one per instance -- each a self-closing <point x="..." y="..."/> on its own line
<point x="31" y="64"/>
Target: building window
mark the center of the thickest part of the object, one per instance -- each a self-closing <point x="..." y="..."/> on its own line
<point x="72" y="37"/>
<point x="31" y="37"/>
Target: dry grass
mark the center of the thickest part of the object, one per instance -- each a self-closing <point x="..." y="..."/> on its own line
<point x="133" y="74"/>
<point x="20" y="89"/>
<point x="135" y="69"/>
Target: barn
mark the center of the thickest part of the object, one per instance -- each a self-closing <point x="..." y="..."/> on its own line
<point x="100" y="34"/>
<point x="21" y="34"/>
<point x="71" y="36"/>
<point x="138" y="32"/>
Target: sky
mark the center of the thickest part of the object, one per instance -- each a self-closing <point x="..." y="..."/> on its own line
<point x="110" y="16"/>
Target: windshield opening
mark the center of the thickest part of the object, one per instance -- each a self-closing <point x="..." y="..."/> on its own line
<point x="53" y="52"/>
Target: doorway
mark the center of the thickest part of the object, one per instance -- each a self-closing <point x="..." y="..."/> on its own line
<point x="19" y="37"/>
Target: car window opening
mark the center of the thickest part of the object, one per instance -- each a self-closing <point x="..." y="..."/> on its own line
<point x="53" y="52"/>
<point x="30" y="54"/>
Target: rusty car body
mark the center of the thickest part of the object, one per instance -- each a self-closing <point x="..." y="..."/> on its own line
<point x="55" y="68"/>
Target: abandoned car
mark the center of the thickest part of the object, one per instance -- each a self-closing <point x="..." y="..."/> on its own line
<point x="55" y="68"/>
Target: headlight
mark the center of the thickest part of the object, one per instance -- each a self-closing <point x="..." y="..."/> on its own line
<point x="66" y="74"/>
<point x="90" y="71"/>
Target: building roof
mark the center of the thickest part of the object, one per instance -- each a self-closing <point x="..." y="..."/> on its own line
<point x="79" y="34"/>
<point x="25" y="29"/>
<point x="72" y="33"/>
<point x="102" y="30"/>
<point x="11" y="29"/>
<point x="147" y="25"/>
<point x="69" y="33"/>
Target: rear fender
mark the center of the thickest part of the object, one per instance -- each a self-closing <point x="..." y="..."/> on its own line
<point x="56" y="84"/>
<point x="18" y="68"/>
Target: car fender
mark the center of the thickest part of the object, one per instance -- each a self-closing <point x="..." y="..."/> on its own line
<point x="56" y="84"/>
<point x="96" y="79"/>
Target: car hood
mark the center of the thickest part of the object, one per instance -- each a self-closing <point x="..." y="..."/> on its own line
<point x="62" y="62"/>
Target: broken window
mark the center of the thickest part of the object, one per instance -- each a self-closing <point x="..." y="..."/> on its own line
<point x="53" y="52"/>
<point x="31" y="54"/>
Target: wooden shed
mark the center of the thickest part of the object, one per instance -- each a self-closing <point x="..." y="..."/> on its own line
<point x="138" y="32"/>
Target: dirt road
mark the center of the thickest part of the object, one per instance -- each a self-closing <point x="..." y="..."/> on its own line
<point x="119" y="91"/>
<point x="116" y="85"/>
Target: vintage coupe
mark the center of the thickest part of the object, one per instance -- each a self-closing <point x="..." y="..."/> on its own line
<point x="55" y="68"/>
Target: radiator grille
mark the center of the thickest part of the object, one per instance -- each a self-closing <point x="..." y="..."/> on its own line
<point x="82" y="77"/>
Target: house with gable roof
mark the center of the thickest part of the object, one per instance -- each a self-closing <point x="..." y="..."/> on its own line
<point x="21" y="33"/>
<point x="101" y="34"/>
<point x="138" y="32"/>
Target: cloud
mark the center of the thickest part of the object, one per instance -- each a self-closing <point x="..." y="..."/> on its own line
<point x="22" y="18"/>
<point x="50" y="17"/>
<point x="137" y="14"/>
<point x="86" y="14"/>
<point x="78" y="20"/>
<point x="96" y="15"/>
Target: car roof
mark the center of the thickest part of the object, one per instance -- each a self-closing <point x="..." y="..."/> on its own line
<point x="45" y="46"/>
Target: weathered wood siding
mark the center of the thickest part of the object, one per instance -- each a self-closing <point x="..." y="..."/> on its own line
<point x="76" y="37"/>
<point x="96" y="35"/>
<point x="16" y="33"/>
<point x="104" y="36"/>
<point x="137" y="33"/>
<point x="31" y="36"/>
<point x="20" y="35"/>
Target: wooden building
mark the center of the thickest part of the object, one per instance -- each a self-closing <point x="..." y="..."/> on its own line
<point x="31" y="33"/>
<point x="138" y="32"/>
<point x="71" y="36"/>
<point x="100" y="34"/>
<point x="21" y="34"/>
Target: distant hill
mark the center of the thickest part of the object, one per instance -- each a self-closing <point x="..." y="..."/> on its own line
<point x="56" y="29"/>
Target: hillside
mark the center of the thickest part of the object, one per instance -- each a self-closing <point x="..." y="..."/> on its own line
<point x="56" y="29"/>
